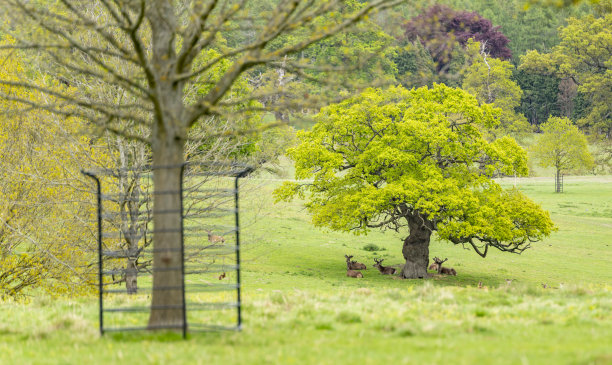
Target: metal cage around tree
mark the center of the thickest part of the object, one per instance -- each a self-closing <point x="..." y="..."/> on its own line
<point x="559" y="183"/>
<point x="210" y="247"/>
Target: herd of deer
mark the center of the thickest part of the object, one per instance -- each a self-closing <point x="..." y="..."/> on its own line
<point x="353" y="267"/>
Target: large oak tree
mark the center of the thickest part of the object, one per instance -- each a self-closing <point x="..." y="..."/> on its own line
<point x="415" y="162"/>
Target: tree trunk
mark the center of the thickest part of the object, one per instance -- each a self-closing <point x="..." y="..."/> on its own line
<point x="416" y="249"/>
<point x="167" y="297"/>
<point x="131" y="276"/>
<point x="167" y="145"/>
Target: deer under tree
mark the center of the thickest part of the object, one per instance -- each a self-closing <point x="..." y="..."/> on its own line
<point x="448" y="271"/>
<point x="385" y="270"/>
<point x="443" y="270"/>
<point x="437" y="264"/>
<point x="407" y="189"/>
<point x="353" y="265"/>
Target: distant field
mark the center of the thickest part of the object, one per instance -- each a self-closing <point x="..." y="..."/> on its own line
<point x="301" y="308"/>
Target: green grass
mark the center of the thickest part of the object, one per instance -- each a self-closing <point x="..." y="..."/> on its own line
<point x="299" y="307"/>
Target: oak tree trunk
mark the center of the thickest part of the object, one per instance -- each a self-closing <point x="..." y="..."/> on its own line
<point x="416" y="250"/>
<point x="167" y="297"/>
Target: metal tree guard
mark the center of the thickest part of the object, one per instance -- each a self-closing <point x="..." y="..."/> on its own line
<point x="126" y="244"/>
<point x="559" y="183"/>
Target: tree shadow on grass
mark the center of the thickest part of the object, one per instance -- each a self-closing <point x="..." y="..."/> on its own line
<point x="465" y="280"/>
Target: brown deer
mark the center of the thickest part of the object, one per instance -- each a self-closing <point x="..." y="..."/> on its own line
<point x="354" y="273"/>
<point x="385" y="270"/>
<point x="448" y="271"/>
<point x="353" y="265"/>
<point x="442" y="270"/>
<point x="214" y="238"/>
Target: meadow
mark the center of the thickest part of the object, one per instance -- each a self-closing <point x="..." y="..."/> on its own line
<point x="299" y="307"/>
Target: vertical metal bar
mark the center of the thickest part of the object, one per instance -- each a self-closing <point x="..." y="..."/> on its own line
<point x="238" y="288"/>
<point x="183" y="251"/>
<point x="100" y="283"/>
<point x="238" y="264"/>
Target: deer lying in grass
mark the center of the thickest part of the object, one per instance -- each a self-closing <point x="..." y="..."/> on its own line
<point x="351" y="270"/>
<point x="354" y="273"/>
<point x="214" y="238"/>
<point x="385" y="270"/>
<point x="442" y="270"/>
<point x="353" y="265"/>
<point x="448" y="271"/>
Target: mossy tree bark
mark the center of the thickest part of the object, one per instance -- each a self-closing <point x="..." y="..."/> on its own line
<point x="416" y="249"/>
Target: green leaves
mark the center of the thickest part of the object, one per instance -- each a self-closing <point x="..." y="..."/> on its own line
<point x="490" y="80"/>
<point x="584" y="56"/>
<point x="381" y="156"/>
<point x="562" y="146"/>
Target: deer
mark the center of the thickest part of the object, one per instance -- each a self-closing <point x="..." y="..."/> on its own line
<point x="353" y="265"/>
<point x="354" y="273"/>
<point x="385" y="270"/>
<point x="442" y="270"/>
<point x="214" y="238"/>
<point x="448" y="271"/>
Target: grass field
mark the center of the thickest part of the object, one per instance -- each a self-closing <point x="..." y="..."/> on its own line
<point x="299" y="307"/>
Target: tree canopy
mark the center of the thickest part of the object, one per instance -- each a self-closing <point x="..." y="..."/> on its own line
<point x="562" y="146"/>
<point x="490" y="80"/>
<point x="45" y="217"/>
<point x="415" y="159"/>
<point x="441" y="28"/>
<point x="584" y="56"/>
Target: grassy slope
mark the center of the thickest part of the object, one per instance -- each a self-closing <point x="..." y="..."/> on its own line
<point x="300" y="308"/>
